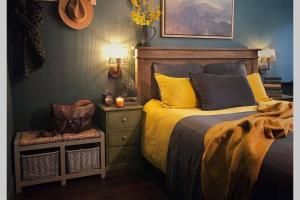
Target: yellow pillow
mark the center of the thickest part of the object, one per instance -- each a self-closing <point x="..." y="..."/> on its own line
<point x="257" y="87"/>
<point x="176" y="92"/>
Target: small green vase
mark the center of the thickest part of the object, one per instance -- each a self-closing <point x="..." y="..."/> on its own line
<point x="148" y="33"/>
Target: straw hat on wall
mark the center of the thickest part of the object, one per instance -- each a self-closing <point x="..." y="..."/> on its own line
<point x="77" y="14"/>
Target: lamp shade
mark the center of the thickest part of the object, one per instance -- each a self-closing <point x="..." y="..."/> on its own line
<point x="267" y="54"/>
<point x="116" y="51"/>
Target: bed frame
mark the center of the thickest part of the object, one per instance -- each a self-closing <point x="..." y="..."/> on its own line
<point x="145" y="56"/>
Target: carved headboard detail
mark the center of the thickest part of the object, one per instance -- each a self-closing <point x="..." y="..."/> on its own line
<point x="145" y="56"/>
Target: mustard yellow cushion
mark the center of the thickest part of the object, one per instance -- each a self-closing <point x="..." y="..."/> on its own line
<point x="176" y="92"/>
<point x="257" y="87"/>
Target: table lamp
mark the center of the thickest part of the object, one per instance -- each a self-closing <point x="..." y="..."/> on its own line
<point x="266" y="57"/>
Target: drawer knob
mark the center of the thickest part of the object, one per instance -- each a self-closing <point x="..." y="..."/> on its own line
<point x="124" y="138"/>
<point x="124" y="119"/>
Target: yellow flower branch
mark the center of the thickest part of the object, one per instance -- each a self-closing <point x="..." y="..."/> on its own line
<point x="144" y="12"/>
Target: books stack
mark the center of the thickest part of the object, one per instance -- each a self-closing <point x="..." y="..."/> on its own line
<point x="272" y="85"/>
<point x="130" y="101"/>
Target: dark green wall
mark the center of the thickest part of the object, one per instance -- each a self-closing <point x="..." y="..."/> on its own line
<point x="75" y="67"/>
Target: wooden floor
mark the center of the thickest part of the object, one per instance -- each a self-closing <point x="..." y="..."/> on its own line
<point x="146" y="183"/>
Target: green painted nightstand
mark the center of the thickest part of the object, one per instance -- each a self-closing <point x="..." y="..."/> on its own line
<point x="122" y="130"/>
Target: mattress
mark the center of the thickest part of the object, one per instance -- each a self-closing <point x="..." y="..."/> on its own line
<point x="182" y="130"/>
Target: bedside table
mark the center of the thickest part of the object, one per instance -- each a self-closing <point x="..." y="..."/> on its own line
<point x="284" y="98"/>
<point x="122" y="130"/>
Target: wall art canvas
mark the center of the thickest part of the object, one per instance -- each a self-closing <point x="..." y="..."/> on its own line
<point x="198" y="18"/>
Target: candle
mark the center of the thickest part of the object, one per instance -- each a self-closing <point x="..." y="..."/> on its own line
<point x="120" y="102"/>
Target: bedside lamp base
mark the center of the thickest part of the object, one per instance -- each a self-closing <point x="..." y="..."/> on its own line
<point x="115" y="72"/>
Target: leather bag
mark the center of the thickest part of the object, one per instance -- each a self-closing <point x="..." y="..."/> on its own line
<point x="71" y="118"/>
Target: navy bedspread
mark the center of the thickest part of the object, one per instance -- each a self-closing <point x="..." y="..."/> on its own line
<point x="275" y="180"/>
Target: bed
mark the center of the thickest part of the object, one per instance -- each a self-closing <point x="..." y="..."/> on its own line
<point x="172" y="139"/>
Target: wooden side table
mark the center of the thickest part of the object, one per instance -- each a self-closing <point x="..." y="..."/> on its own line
<point x="122" y="132"/>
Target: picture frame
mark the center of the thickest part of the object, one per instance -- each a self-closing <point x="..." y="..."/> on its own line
<point x="212" y="19"/>
<point x="93" y="2"/>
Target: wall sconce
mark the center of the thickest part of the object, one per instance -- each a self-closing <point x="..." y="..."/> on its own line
<point x="116" y="54"/>
<point x="266" y="57"/>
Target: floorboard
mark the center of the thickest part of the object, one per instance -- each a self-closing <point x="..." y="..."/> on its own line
<point x="144" y="183"/>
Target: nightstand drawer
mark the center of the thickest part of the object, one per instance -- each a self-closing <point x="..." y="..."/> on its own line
<point x="123" y="154"/>
<point x="119" y="137"/>
<point x="121" y="119"/>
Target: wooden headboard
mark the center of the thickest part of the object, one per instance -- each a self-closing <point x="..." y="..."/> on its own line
<point x="145" y="56"/>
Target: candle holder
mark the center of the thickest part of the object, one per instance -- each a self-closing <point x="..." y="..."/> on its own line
<point x="119" y="102"/>
<point x="107" y="98"/>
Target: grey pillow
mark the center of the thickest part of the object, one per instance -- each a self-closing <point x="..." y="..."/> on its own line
<point x="237" y="68"/>
<point x="222" y="91"/>
<point x="177" y="70"/>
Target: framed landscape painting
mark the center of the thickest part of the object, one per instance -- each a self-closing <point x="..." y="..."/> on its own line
<point x="197" y="18"/>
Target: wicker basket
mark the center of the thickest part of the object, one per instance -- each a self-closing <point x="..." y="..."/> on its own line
<point x="39" y="166"/>
<point x="83" y="159"/>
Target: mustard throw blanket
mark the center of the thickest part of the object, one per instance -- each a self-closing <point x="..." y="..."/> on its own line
<point x="234" y="151"/>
